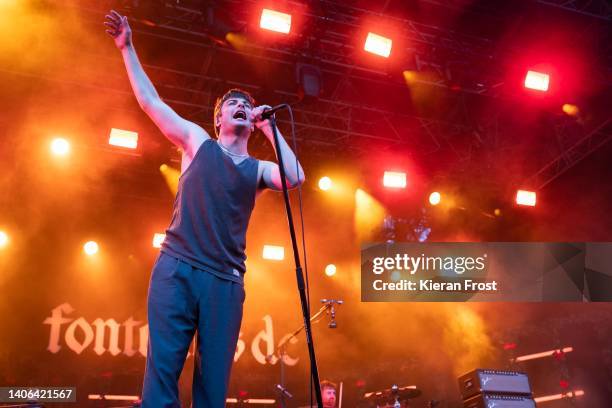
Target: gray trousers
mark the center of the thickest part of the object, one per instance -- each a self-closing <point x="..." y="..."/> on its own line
<point x="183" y="301"/>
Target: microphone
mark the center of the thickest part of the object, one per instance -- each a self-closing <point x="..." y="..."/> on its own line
<point x="283" y="391"/>
<point x="267" y="113"/>
<point x="332" y="311"/>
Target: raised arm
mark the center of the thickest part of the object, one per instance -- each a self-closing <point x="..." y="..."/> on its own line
<point x="183" y="133"/>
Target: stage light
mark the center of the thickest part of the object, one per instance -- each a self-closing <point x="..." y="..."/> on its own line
<point x="434" y="198"/>
<point x="570" y="110"/>
<point x="368" y="216"/>
<point x="171" y="176"/>
<point x="113" y="397"/>
<point x="91" y="248"/>
<point x="550" y="353"/>
<point x="330" y="270"/>
<point x="273" y="252"/>
<point x="394" y="179"/>
<point x="377" y="44"/>
<point x="537" y="80"/>
<point x="123" y="138"/>
<point x="4" y="239"/>
<point x="158" y="239"/>
<point x="60" y="146"/>
<point x="409" y="76"/>
<point x="524" y="197"/>
<point x="260" y="401"/>
<point x="555" y="397"/>
<point x="309" y="81"/>
<point x="275" y="21"/>
<point x="325" y="183"/>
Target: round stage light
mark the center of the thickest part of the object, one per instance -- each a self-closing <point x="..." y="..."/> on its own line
<point x="325" y="183"/>
<point x="434" y="198"/>
<point x="4" y="239"/>
<point x="91" y="248"/>
<point x="570" y="109"/>
<point x="60" y="146"/>
<point x="330" y="270"/>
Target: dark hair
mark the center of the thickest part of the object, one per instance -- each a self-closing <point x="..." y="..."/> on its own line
<point x="232" y="93"/>
<point x="328" y="384"/>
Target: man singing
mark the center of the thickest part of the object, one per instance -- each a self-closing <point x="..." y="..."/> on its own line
<point x="197" y="282"/>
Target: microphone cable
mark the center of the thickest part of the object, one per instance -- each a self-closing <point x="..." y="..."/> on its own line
<point x="301" y="211"/>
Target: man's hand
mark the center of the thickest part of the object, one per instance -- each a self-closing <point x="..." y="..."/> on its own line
<point x="264" y="125"/>
<point x="119" y="29"/>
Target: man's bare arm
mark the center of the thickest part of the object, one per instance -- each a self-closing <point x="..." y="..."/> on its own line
<point x="294" y="175"/>
<point x="183" y="133"/>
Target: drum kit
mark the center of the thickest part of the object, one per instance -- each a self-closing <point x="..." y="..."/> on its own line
<point x="394" y="397"/>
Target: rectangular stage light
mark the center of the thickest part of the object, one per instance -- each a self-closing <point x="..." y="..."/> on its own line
<point x="543" y="354"/>
<point x="123" y="138"/>
<point x="112" y="397"/>
<point x="537" y="80"/>
<point x="273" y="252"/>
<point x="158" y="239"/>
<point x="394" y="179"/>
<point x="555" y="397"/>
<point x="275" y="21"/>
<point x="524" y="197"/>
<point x="265" y="401"/>
<point x="379" y="45"/>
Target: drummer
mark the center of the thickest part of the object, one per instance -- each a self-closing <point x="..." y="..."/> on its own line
<point x="328" y="394"/>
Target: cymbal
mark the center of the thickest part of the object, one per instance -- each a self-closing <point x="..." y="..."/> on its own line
<point x="393" y="393"/>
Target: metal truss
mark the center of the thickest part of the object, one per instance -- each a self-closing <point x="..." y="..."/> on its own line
<point x="326" y="122"/>
<point x="335" y="121"/>
<point x="330" y="42"/>
<point x="572" y="155"/>
<point x="601" y="9"/>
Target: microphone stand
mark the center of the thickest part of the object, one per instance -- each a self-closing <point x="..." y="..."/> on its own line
<point x="298" y="269"/>
<point x="281" y="351"/>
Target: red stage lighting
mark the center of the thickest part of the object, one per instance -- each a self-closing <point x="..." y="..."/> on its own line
<point x="377" y="44"/>
<point x="60" y="146"/>
<point x="123" y="138"/>
<point x="524" y="197"/>
<point x="91" y="248"/>
<point x="325" y="183"/>
<point x="275" y="21"/>
<point x="570" y="109"/>
<point x="393" y="179"/>
<point x="435" y="198"/>
<point x="554" y="397"/>
<point x="273" y="252"/>
<point x="4" y="239"/>
<point x="158" y="239"/>
<point x="537" y="81"/>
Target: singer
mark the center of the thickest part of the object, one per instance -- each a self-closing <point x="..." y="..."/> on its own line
<point x="197" y="281"/>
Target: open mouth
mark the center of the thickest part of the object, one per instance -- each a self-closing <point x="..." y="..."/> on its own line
<point x="240" y="115"/>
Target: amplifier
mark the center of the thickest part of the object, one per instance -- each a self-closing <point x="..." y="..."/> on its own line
<point x="499" y="401"/>
<point x="494" y="381"/>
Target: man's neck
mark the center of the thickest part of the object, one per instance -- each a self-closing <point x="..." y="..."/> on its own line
<point x="236" y="144"/>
